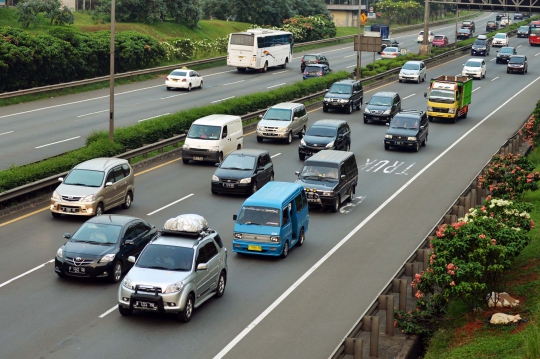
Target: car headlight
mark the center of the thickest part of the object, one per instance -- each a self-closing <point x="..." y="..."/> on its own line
<point x="60" y="253"/>
<point x="282" y="129"/>
<point x="175" y="287"/>
<point x="343" y="100"/>
<point x="274" y="239"/>
<point x="430" y="108"/>
<point x="185" y="147"/>
<point x="451" y="110"/>
<point x="388" y="136"/>
<point x="330" y="145"/>
<point x="245" y="180"/>
<point x="387" y="112"/>
<point x="89" y="198"/>
<point x="411" y="138"/>
<point x="214" y="149"/>
<point x="56" y="196"/>
<point x="215" y="178"/>
<point x="302" y="142"/>
<point x="127" y="283"/>
<point x="107" y="258"/>
<point x="238" y="236"/>
<point x="367" y="110"/>
<point x="330" y="193"/>
<point x="259" y="128"/>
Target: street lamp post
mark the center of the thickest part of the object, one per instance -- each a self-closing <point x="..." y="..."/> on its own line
<point x="424" y="48"/>
<point x="358" y="52"/>
<point x="111" y="84"/>
<point x="457" y="16"/>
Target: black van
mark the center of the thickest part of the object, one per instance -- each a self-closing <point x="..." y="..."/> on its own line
<point x="382" y="107"/>
<point x="344" y="95"/>
<point x="329" y="178"/>
<point x="408" y="129"/>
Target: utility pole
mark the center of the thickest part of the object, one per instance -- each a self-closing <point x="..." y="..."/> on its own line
<point x="424" y="48"/>
<point x="358" y="52"/>
<point x="457" y="16"/>
<point x="111" y="85"/>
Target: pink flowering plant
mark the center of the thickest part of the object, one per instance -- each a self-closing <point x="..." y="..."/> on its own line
<point x="507" y="177"/>
<point x="531" y="129"/>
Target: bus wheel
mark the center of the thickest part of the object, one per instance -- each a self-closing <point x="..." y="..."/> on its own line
<point x="241" y="69"/>
<point x="265" y="68"/>
<point x="285" y="64"/>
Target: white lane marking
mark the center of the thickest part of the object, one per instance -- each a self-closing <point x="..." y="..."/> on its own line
<point x="269" y="87"/>
<point x="277" y="154"/>
<point x="519" y="46"/>
<point x="144" y="88"/>
<point x="170" y="204"/>
<point x="349" y="56"/>
<point x="404" y="98"/>
<point x="537" y="54"/>
<point x="295" y="285"/>
<point x="478" y="88"/>
<point x="281" y="72"/>
<point x="231" y="83"/>
<point x="5" y="133"/>
<point x="493" y="59"/>
<point x="495" y="78"/>
<point x="223" y="99"/>
<point x="181" y="94"/>
<point x="149" y="118"/>
<point x="219" y="73"/>
<point x="92" y="113"/>
<point x="54" y="143"/>
<point x="109" y="311"/>
<point x="49" y="107"/>
<point x="351" y="66"/>
<point x="25" y="273"/>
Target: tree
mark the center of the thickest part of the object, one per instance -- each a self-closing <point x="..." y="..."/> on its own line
<point x="262" y="13"/>
<point x="217" y="9"/>
<point x="28" y="10"/>
<point x="310" y="7"/>
<point x="186" y="10"/>
<point x="58" y="13"/>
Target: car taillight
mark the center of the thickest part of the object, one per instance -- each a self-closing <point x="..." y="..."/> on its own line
<point x="305" y="73"/>
<point x="394" y="54"/>
<point x="316" y="61"/>
<point x="183" y="80"/>
<point x="167" y="78"/>
<point x="302" y="60"/>
<point x="320" y="73"/>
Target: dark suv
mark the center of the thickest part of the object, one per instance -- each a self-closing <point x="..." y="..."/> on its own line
<point x="492" y="26"/>
<point x="500" y="15"/>
<point x="313" y="59"/>
<point x="382" y="107"/>
<point x="408" y="129"/>
<point x="344" y="95"/>
<point x="518" y="16"/>
<point x="325" y="135"/>
<point x="503" y="55"/>
<point x="468" y="24"/>
<point x="481" y="46"/>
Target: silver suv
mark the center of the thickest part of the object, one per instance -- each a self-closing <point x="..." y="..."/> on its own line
<point x="93" y="187"/>
<point x="178" y="271"/>
<point x="413" y="71"/>
<point x="283" y="121"/>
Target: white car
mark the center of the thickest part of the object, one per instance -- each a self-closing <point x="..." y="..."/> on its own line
<point x="505" y="21"/>
<point x="420" y="37"/>
<point x="184" y="79"/>
<point x="390" y="53"/>
<point x="500" y="39"/>
<point x="475" y="68"/>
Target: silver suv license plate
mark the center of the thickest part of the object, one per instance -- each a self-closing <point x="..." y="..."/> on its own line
<point x="148" y="305"/>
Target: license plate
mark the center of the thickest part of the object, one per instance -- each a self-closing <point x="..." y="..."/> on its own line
<point x="241" y="57"/>
<point x="197" y="158"/>
<point x="175" y="80"/>
<point x="76" y="270"/>
<point x="312" y="200"/>
<point x="148" y="305"/>
<point x="228" y="185"/>
<point x="399" y="143"/>
<point x="255" y="248"/>
<point x="69" y="210"/>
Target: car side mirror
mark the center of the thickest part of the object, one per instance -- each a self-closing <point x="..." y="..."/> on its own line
<point x="422" y="127"/>
<point x="295" y="118"/>
<point x="343" y="176"/>
<point x="367" y="103"/>
<point x="186" y="132"/>
<point x="297" y="173"/>
<point x="67" y="235"/>
<point x="108" y="184"/>
<point x="425" y="94"/>
<point x="260" y="168"/>
<point x="224" y="135"/>
<point x="217" y="164"/>
<point x="61" y="179"/>
<point x="326" y="90"/>
<point x="234" y="216"/>
<point x="260" y="116"/>
<point x="129" y="241"/>
<point x="202" y="266"/>
<point x="388" y="124"/>
<point x="131" y="259"/>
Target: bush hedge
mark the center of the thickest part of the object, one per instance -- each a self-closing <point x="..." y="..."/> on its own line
<point x="98" y="144"/>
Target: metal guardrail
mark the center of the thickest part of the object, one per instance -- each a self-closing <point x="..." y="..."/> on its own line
<point x="191" y="63"/>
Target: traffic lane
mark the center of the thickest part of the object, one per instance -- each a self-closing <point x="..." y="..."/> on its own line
<point x="348" y="290"/>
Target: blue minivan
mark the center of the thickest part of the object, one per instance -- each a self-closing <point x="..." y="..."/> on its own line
<point x="272" y="220"/>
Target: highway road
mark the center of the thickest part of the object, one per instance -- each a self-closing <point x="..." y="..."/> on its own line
<point x="63" y="123"/>
<point x="299" y="307"/>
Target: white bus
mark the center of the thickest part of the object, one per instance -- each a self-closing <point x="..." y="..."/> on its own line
<point x="260" y="49"/>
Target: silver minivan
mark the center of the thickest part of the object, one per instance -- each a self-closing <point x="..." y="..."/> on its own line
<point x="283" y="121"/>
<point x="93" y="187"/>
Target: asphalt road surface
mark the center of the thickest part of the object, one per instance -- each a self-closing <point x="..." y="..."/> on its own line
<point x="34" y="131"/>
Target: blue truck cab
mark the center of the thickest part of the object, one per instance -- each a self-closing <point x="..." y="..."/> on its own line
<point x="272" y="220"/>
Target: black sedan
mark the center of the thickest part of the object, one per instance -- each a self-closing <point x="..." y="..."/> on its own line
<point x="243" y="171"/>
<point x="463" y="34"/>
<point x="101" y="246"/>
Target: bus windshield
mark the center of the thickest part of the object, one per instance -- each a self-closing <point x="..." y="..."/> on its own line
<point x="443" y="96"/>
<point x="535" y="31"/>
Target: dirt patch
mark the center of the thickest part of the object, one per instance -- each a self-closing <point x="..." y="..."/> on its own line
<point x="465" y="334"/>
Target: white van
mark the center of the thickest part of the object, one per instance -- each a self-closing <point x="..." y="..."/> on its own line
<point x="212" y="138"/>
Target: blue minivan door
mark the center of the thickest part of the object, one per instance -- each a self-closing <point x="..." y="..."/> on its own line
<point x="286" y="226"/>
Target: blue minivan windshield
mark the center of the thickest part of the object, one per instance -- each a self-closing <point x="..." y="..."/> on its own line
<point x="262" y="216"/>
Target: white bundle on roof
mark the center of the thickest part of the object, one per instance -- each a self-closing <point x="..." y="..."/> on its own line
<point x="186" y="223"/>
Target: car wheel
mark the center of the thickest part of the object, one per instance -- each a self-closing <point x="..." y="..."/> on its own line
<point x="126" y="312"/>
<point x="220" y="157"/>
<point x="454" y="119"/>
<point x="272" y="177"/>
<point x="168" y="88"/>
<point x="348" y="147"/>
<point x="185" y="161"/>
<point x="350" y="109"/>
<point x="350" y="194"/>
<point x="419" y="80"/>
<point x="128" y="200"/>
<point x="424" y="143"/>
<point x="507" y="71"/>
<point x="301" y="133"/>
<point x="56" y="215"/>
<point x="325" y="108"/>
<point x="60" y="274"/>
<point x="222" y="282"/>
<point x="214" y="192"/>
<point x="386" y="147"/>
<point x="417" y="147"/>
<point x="116" y="273"/>
<point x="366" y="120"/>
<point x="260" y="139"/>
<point x="302" y="156"/>
<point x="265" y="68"/>
<point x="430" y="118"/>
<point x="285" y="64"/>
<point x="301" y="238"/>
<point x="189" y="87"/>
<point x="99" y="209"/>
<point x="289" y="138"/>
<point x="254" y="187"/>
<point x="285" y="252"/>
<point x="201" y="84"/>
<point x="185" y="315"/>
<point x="337" y="203"/>
<point x="400" y="81"/>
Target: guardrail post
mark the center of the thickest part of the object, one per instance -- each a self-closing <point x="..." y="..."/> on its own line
<point x="411" y="269"/>
<point x="386" y="303"/>
<point x="473" y="197"/>
<point x="423" y="255"/>
<point x="353" y="346"/>
<point x="371" y="324"/>
<point x="403" y="294"/>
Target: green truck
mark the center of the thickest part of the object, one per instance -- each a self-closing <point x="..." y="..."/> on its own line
<point x="449" y="97"/>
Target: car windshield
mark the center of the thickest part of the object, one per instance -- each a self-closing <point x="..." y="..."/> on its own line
<point x="421" y="33"/>
<point x="491" y="23"/>
<point x="204" y="132"/>
<point x="480" y="42"/>
<point x="238" y="162"/>
<point x="170" y="258"/>
<point x="464" y="31"/>
<point x="278" y="114"/>
<point x="310" y="57"/>
<point x="443" y="96"/>
<point x="517" y="60"/>
<point x="406" y="123"/>
<point x="313" y="69"/>
<point x="466" y="22"/>
<point x="439" y="37"/>
<point x="524" y="28"/>
<point x="380" y="101"/>
<point x="261" y="216"/>
<point x="500" y="36"/>
<point x="391" y="49"/>
<point x="411" y="66"/>
<point x="179" y="73"/>
<point x="319" y="172"/>
<point x="87" y="178"/>
<point x="339" y="88"/>
<point x="97" y="233"/>
<point x="506" y="50"/>
<point x="322" y="131"/>
<point x="473" y="64"/>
